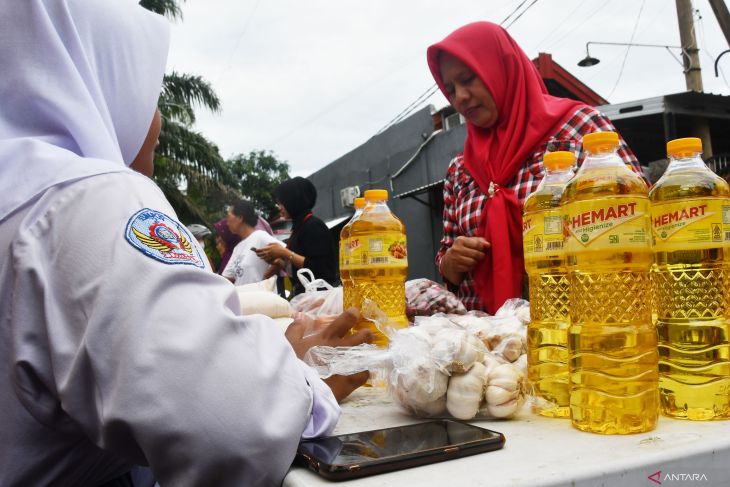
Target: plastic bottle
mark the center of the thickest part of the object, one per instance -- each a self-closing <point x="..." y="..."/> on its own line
<point x="347" y="298"/>
<point x="379" y="262"/>
<point x="690" y="211"/>
<point x="547" y="334"/>
<point x="612" y="343"/>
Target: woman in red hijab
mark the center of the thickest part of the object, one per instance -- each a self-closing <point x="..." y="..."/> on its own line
<point x="511" y="122"/>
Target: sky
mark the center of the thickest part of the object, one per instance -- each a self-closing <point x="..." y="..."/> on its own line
<point x="311" y="80"/>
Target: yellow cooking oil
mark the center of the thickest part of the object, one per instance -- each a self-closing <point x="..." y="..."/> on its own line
<point x="690" y="211"/>
<point x="612" y="343"/>
<point x="347" y="298"/>
<point x="547" y="333"/>
<point x="379" y="263"/>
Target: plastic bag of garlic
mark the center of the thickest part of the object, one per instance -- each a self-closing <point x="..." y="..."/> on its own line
<point x="463" y="366"/>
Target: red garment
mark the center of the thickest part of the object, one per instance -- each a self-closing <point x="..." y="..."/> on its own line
<point x="527" y="117"/>
<point x="464" y="200"/>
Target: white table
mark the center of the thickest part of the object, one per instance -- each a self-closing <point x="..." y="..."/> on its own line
<point x="549" y="452"/>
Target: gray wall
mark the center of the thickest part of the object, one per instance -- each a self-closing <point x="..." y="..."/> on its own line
<point x="371" y="166"/>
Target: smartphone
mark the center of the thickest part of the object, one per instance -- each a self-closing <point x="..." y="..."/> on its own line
<point x="354" y="455"/>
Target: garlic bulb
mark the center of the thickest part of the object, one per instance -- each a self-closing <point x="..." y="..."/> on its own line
<point x="505" y="391"/>
<point x="491" y="362"/>
<point x="456" y="350"/>
<point x="465" y="392"/>
<point x="521" y="363"/>
<point x="421" y="388"/>
<point x="511" y="347"/>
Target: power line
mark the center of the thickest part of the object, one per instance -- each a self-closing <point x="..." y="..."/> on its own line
<point x="521" y="14"/>
<point x="706" y="50"/>
<point x="238" y="40"/>
<point x="585" y="22"/>
<point x="513" y="12"/>
<point x="432" y="89"/>
<point x="407" y="110"/>
<point x="626" y="56"/>
<point x="559" y="24"/>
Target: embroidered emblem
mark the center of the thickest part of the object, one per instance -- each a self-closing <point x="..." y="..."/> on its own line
<point x="162" y="238"/>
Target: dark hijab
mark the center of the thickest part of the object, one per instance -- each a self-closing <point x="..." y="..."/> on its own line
<point x="229" y="238"/>
<point x="310" y="237"/>
<point x="298" y="195"/>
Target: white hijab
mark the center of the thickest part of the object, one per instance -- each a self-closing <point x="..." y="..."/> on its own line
<point x="79" y="83"/>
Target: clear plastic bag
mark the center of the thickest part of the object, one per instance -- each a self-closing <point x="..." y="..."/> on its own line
<point x="318" y="305"/>
<point x="319" y="297"/>
<point x="437" y="368"/>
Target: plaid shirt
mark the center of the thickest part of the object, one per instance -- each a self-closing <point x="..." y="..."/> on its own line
<point x="464" y="200"/>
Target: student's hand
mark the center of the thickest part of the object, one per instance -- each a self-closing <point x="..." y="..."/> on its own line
<point x="335" y="335"/>
<point x="464" y="254"/>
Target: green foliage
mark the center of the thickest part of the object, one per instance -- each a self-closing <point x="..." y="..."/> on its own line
<point x="181" y="91"/>
<point x="168" y="8"/>
<point x="259" y="173"/>
<point x="188" y="167"/>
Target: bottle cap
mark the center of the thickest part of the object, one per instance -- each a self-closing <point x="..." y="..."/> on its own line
<point x="686" y="147"/>
<point x="359" y="203"/>
<point x="600" y="142"/>
<point x="558" y="160"/>
<point x="376" y="195"/>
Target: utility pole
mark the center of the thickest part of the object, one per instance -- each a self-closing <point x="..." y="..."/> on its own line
<point x="723" y="17"/>
<point x="692" y="71"/>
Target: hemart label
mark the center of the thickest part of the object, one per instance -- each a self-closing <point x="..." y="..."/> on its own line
<point x="386" y="249"/>
<point x="691" y="224"/>
<point x="542" y="234"/>
<point x="621" y="221"/>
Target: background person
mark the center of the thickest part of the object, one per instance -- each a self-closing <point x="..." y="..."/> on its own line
<point x="225" y="242"/>
<point x="310" y="244"/>
<point x="118" y="347"/>
<point x="511" y="122"/>
<point x="201" y="232"/>
<point x="245" y="266"/>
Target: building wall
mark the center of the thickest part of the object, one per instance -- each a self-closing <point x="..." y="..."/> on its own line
<point x="371" y="165"/>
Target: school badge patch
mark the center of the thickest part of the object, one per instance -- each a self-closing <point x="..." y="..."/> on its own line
<point x="162" y="238"/>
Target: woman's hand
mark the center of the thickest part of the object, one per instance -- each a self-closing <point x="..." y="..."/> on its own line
<point x="462" y="256"/>
<point x="336" y="334"/>
<point x="272" y="252"/>
<point x="274" y="268"/>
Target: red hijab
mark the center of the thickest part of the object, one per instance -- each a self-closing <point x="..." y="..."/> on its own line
<point x="527" y="117"/>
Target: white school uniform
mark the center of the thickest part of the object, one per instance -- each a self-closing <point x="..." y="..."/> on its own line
<point x="117" y="345"/>
<point x="114" y="352"/>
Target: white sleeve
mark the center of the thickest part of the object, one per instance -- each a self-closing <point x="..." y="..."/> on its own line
<point x="229" y="270"/>
<point x="150" y="358"/>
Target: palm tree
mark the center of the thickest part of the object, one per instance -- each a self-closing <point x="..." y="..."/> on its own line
<point x="168" y="8"/>
<point x="185" y="158"/>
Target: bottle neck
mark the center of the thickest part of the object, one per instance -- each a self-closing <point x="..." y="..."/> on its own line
<point x="603" y="159"/>
<point x="692" y="162"/>
<point x="376" y="205"/>
<point x="558" y="175"/>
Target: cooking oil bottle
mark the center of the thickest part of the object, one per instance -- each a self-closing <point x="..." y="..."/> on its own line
<point x="547" y="334"/>
<point x="379" y="262"/>
<point x="612" y="343"/>
<point x="347" y="298"/>
<point x="690" y="215"/>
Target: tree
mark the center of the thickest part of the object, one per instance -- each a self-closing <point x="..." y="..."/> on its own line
<point x="185" y="158"/>
<point x="259" y="173"/>
<point x="168" y="8"/>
